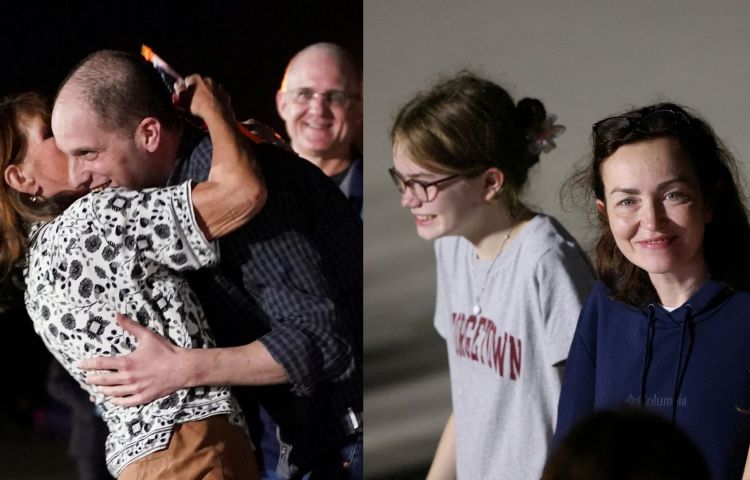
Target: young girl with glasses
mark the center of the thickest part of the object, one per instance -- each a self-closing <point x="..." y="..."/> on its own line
<point x="511" y="281"/>
<point x="667" y="325"/>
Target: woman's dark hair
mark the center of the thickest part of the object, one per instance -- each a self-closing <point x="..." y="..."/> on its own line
<point x="465" y="125"/>
<point x="626" y="445"/>
<point x="727" y="235"/>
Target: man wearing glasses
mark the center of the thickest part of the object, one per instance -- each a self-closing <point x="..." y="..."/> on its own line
<point x="320" y="101"/>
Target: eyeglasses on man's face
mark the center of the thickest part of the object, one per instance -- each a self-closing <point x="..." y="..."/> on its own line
<point x="423" y="191"/>
<point x="335" y="98"/>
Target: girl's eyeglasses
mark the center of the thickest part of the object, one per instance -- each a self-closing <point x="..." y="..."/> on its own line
<point x="423" y="191"/>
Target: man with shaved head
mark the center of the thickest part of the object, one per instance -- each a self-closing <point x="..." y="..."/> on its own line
<point x="320" y="100"/>
<point x="285" y="302"/>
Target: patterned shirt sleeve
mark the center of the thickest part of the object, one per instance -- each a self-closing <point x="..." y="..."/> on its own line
<point x="159" y="224"/>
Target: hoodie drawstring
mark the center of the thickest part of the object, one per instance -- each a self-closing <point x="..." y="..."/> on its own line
<point x="647" y="354"/>
<point x="685" y="322"/>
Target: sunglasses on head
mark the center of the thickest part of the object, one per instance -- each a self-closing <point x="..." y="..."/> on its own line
<point x="652" y="123"/>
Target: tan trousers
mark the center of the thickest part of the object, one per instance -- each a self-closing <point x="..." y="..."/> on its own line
<point x="210" y="449"/>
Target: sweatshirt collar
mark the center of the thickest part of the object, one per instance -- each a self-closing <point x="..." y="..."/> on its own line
<point x="700" y="305"/>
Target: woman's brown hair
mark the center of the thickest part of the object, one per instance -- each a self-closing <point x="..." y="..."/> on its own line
<point x="467" y="124"/>
<point x="18" y="210"/>
<point x="727" y="235"/>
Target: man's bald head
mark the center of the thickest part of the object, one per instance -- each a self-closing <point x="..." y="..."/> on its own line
<point x="320" y="102"/>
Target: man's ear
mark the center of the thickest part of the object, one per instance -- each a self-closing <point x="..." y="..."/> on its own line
<point x="492" y="183"/>
<point x="357" y="108"/>
<point x="358" y="114"/>
<point x="16" y="179"/>
<point x="281" y="104"/>
<point x="148" y="133"/>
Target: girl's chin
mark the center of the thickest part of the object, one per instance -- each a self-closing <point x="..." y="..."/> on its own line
<point x="428" y="232"/>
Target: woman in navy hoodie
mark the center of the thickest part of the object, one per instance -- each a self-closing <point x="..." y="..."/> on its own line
<point x="667" y="326"/>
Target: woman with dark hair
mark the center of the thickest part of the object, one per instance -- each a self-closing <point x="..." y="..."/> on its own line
<point x="667" y="325"/>
<point x="510" y="281"/>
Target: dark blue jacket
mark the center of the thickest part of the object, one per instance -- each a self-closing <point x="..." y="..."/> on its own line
<point x="691" y="365"/>
<point x="351" y="184"/>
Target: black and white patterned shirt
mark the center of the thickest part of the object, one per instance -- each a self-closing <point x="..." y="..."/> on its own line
<point x="291" y="277"/>
<point x="120" y="251"/>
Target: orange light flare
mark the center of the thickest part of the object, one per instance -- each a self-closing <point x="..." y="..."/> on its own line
<point x="157" y="61"/>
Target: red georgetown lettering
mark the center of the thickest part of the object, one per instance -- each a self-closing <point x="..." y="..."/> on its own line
<point x="478" y="340"/>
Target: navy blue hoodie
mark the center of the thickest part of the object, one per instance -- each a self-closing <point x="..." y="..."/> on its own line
<point x="691" y="365"/>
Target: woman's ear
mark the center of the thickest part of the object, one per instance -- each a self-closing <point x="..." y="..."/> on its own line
<point x="601" y="207"/>
<point x="148" y="133"/>
<point x="16" y="179"/>
<point x="493" y="181"/>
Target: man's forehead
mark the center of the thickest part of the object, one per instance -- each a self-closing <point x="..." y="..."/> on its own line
<point x="67" y="92"/>
<point x="64" y="108"/>
<point x="76" y="127"/>
<point x="314" y="69"/>
<point x="72" y="109"/>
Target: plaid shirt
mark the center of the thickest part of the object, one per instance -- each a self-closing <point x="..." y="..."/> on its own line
<point x="291" y="277"/>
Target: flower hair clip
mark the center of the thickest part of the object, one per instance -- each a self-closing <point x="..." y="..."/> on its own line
<point x="543" y="138"/>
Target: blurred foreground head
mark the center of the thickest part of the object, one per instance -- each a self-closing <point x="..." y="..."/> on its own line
<point x="626" y="445"/>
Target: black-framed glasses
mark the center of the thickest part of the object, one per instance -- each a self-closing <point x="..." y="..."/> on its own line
<point x="652" y="123"/>
<point x="423" y="191"/>
<point x="305" y="95"/>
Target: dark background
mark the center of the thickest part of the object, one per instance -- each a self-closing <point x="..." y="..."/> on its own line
<point x="243" y="45"/>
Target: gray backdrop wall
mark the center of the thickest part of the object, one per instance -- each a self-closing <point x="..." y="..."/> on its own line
<point x="584" y="59"/>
